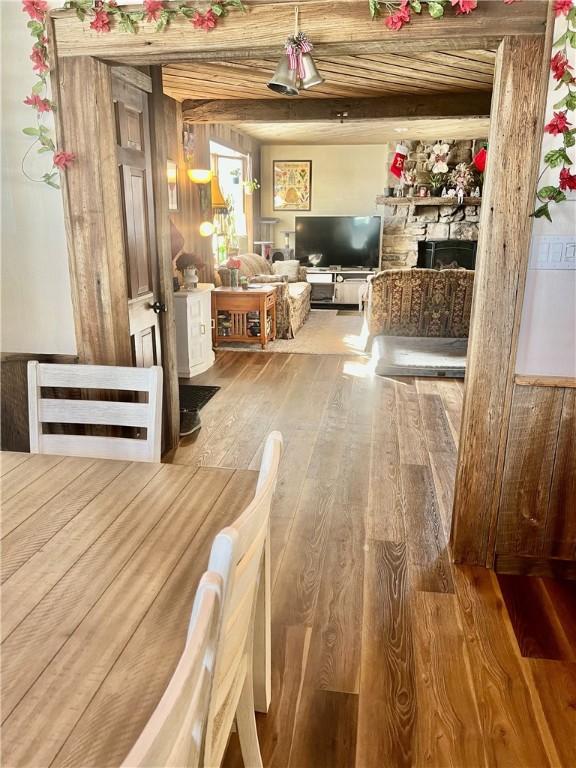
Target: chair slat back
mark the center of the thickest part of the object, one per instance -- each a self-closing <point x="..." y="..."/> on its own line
<point x="175" y="733"/>
<point x="237" y="555"/>
<point x="95" y="412"/>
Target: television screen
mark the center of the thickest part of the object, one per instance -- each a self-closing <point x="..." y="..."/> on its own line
<point x="344" y="241"/>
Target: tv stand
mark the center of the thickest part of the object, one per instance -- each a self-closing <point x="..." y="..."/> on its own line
<point x="338" y="285"/>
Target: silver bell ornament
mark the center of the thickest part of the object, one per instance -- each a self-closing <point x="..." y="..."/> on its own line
<point x="285" y="80"/>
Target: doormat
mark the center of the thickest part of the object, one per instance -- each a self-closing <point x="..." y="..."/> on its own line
<point x="193" y="397"/>
<point x="350" y="312"/>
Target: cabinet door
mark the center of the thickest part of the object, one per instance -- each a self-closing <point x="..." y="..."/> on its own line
<point x="196" y="352"/>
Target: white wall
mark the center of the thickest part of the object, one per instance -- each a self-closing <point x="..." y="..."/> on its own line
<point x="36" y="308"/>
<point x="547" y="341"/>
<point x="345" y="181"/>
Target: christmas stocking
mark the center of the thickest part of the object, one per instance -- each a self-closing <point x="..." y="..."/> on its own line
<point x="398" y="161"/>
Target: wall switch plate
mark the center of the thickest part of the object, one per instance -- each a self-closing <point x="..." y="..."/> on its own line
<point x="553" y="252"/>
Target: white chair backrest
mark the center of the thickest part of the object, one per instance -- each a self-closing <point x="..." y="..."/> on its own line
<point x="237" y="554"/>
<point x="95" y="412"/>
<point x="174" y="736"/>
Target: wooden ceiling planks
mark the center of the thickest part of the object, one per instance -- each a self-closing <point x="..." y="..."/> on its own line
<point x="366" y="75"/>
<point x="365" y="132"/>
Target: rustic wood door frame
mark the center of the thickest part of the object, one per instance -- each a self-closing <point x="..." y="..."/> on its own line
<point x="522" y="33"/>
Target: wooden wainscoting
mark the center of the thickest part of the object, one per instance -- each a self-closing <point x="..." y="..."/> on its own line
<point x="536" y="530"/>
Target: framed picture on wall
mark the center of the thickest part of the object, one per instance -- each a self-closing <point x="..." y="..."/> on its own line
<point x="292" y="188"/>
<point x="172" y="177"/>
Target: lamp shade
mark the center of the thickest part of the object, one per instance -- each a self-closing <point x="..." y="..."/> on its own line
<point x="200" y="175"/>
<point x="218" y="201"/>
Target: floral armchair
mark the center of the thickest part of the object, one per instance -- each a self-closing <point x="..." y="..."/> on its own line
<point x="420" y="302"/>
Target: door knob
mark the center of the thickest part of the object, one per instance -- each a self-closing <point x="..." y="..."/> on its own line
<point x="157" y="307"/>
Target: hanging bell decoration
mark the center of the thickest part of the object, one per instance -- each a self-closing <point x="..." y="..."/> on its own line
<point x="311" y="76"/>
<point x="285" y="80"/>
<point x="296" y="67"/>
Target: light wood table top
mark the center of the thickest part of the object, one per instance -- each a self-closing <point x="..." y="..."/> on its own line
<point x="100" y="563"/>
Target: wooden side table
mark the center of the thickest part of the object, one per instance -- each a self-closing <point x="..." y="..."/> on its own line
<point x="244" y="315"/>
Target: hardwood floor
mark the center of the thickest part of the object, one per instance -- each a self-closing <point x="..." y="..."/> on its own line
<point x="385" y="655"/>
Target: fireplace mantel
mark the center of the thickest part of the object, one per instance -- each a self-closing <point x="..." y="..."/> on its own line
<point x="418" y="201"/>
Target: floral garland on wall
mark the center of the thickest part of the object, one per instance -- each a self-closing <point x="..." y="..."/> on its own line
<point x="104" y="14"/>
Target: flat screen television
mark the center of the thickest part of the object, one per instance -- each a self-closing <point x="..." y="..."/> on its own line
<point x="344" y="241"/>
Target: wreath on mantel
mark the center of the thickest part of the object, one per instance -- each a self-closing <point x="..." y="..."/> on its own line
<point x="104" y="14"/>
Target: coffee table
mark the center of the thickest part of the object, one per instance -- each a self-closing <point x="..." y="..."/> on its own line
<point x="245" y="315"/>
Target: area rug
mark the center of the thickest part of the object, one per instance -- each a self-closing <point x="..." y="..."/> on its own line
<point x="194" y="397"/>
<point x="325" y="332"/>
<point x="405" y="356"/>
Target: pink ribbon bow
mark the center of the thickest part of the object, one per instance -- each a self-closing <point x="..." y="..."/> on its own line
<point x="295" y="47"/>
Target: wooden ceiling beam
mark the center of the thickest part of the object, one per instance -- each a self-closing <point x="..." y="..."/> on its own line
<point x="410" y="107"/>
<point x="339" y="27"/>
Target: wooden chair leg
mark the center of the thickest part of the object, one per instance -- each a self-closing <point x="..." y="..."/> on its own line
<point x="246" y="724"/>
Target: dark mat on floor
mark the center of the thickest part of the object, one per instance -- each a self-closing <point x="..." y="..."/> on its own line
<point x="352" y="312"/>
<point x="193" y="397"/>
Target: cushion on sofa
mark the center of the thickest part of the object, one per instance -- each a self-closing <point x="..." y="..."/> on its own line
<point x="289" y="268"/>
<point x="254" y="264"/>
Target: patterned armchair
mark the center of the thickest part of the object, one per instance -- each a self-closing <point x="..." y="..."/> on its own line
<point x="420" y="302"/>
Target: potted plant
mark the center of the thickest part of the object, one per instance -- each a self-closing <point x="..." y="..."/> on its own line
<point x="251" y="186"/>
<point x="437" y="181"/>
<point x="235" y="176"/>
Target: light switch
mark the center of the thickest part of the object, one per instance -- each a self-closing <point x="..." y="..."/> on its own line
<point x="553" y="252"/>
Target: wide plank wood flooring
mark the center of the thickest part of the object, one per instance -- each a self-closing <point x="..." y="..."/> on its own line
<point x="385" y="655"/>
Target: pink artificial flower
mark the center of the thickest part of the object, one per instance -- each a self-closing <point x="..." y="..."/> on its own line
<point x="559" y="65"/>
<point x="41" y="105"/>
<point x="38" y="59"/>
<point x="464" y="6"/>
<point x="206" y="21"/>
<point x="36" y="9"/>
<point x="567" y="179"/>
<point x="562" y="7"/>
<point x="395" y="21"/>
<point x="101" y="21"/>
<point x="558" y="124"/>
<point x="63" y="159"/>
<point x="509" y="2"/>
<point x="153" y="9"/>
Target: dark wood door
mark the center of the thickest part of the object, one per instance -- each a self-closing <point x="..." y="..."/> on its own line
<point x="134" y="163"/>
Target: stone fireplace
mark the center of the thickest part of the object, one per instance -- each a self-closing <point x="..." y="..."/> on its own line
<point x="407" y="223"/>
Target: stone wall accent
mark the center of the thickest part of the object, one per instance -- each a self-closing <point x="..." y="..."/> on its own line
<point x="405" y="225"/>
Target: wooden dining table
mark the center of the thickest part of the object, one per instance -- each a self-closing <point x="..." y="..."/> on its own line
<point x="100" y="563"/>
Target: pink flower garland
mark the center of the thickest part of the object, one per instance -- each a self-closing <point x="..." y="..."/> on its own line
<point x="102" y="14"/>
<point x="559" y="124"/>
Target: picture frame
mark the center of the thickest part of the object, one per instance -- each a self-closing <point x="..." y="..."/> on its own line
<point x="292" y="185"/>
<point x="172" y="178"/>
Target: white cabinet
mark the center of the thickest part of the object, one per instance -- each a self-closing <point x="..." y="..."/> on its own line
<point x="194" y="330"/>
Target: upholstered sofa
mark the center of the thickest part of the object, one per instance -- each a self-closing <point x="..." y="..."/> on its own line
<point x="420" y="302"/>
<point x="292" y="299"/>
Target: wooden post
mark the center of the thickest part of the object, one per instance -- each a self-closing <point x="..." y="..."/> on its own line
<point x="83" y="91"/>
<point x="168" y="318"/>
<point x="517" y="119"/>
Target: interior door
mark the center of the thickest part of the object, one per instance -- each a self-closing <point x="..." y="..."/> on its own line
<point x="134" y="164"/>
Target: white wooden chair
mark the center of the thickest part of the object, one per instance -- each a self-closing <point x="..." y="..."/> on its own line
<point x="51" y="410"/>
<point x="174" y="736"/>
<point x="239" y="556"/>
